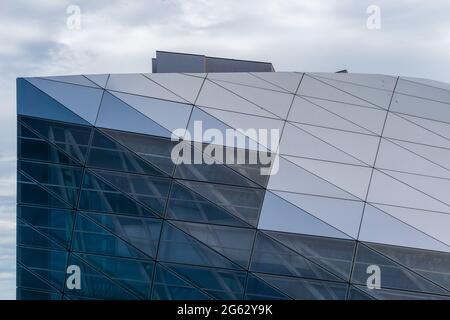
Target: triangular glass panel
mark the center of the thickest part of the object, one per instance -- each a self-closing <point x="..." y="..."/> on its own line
<point x="335" y="255"/>
<point x="106" y="153"/>
<point x="345" y="215"/>
<point x="188" y="205"/>
<point x="150" y="191"/>
<point x="280" y="215"/>
<point x="155" y="150"/>
<point x="292" y="178"/>
<point x="392" y="276"/>
<point x="33" y="102"/>
<point x="288" y="81"/>
<point x="219" y="283"/>
<point x="99" y="79"/>
<point x="305" y="289"/>
<point x="83" y="101"/>
<point x="142" y="233"/>
<point x="170" y="115"/>
<point x="75" y="79"/>
<point x="168" y="286"/>
<point x="270" y="256"/>
<point x="244" y="203"/>
<point x="72" y="139"/>
<point x="97" y="195"/>
<point x="140" y="85"/>
<point x="183" y="85"/>
<point x="89" y="237"/>
<point x="116" y="114"/>
<point x="395" y="232"/>
<point x="260" y="290"/>
<point x="135" y="275"/>
<point x="179" y="247"/>
<point x="233" y="243"/>
<point x="96" y="284"/>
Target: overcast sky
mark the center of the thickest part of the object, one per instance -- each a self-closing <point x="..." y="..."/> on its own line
<point x="122" y="36"/>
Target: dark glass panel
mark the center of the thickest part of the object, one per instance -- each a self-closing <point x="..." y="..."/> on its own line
<point x="176" y="246"/>
<point x="218" y="283"/>
<point x="269" y="256"/>
<point x="257" y="289"/>
<point x="105" y="153"/>
<point x="168" y="286"/>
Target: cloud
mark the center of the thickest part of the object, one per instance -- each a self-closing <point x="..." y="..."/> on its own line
<point x="121" y="36"/>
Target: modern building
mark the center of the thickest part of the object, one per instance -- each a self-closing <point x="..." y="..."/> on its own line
<point x="358" y="206"/>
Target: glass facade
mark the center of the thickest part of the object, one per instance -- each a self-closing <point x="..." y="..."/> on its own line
<point x="363" y="180"/>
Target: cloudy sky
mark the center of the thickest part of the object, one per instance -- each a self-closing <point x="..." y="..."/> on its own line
<point x="121" y="36"/>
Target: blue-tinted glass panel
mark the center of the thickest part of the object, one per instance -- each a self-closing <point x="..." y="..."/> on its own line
<point x="155" y="150"/>
<point x="150" y="191"/>
<point x="28" y="236"/>
<point x="56" y="224"/>
<point x="29" y="192"/>
<point x="233" y="243"/>
<point x="177" y="246"/>
<point x="97" y="195"/>
<point x="62" y="180"/>
<point x="141" y="233"/>
<point x="24" y="294"/>
<point x="106" y="153"/>
<point x="393" y="275"/>
<point x="168" y="286"/>
<point x="257" y="289"/>
<point x="135" y="275"/>
<point x="188" y="205"/>
<point x="72" y="139"/>
<point x="32" y="147"/>
<point x="49" y="265"/>
<point x="89" y="237"/>
<point x="305" y="289"/>
<point x="98" y="285"/>
<point x="27" y="279"/>
<point x="33" y="102"/>
<point x="218" y="283"/>
<point x="270" y="256"/>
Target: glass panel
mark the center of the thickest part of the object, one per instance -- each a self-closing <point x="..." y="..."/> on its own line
<point x="133" y="274"/>
<point x="433" y="265"/>
<point x="335" y="255"/>
<point x="176" y="246"/>
<point x="54" y="223"/>
<point x="393" y="275"/>
<point x="99" y="196"/>
<point x="88" y="237"/>
<point x="245" y="203"/>
<point x="260" y="290"/>
<point x="30" y="193"/>
<point x="49" y="266"/>
<point x="141" y="233"/>
<point x="155" y="150"/>
<point x="233" y="243"/>
<point x="33" y="102"/>
<point x="107" y="154"/>
<point x="23" y="294"/>
<point x="83" y="101"/>
<point x="303" y="289"/>
<point x="116" y="114"/>
<point x="168" y="286"/>
<point x="72" y="139"/>
<point x="187" y="205"/>
<point x="62" y="180"/>
<point x="218" y="283"/>
<point x="169" y="115"/>
<point x="278" y="214"/>
<point x="96" y="284"/>
<point x="27" y="236"/>
<point x="150" y="191"/>
<point x="270" y="256"/>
